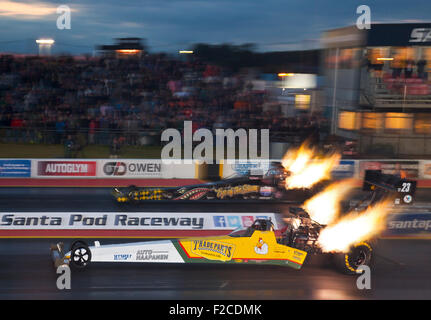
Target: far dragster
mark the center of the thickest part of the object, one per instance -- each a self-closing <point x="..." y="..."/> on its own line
<point x="270" y="186"/>
<point x="249" y="187"/>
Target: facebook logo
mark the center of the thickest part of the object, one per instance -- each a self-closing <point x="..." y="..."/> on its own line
<point x="234" y="221"/>
<point x="219" y="221"/>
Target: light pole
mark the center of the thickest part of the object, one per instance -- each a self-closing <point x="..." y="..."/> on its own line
<point x="45" y="46"/>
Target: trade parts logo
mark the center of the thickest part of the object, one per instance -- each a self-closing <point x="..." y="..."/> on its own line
<point x="213" y="250"/>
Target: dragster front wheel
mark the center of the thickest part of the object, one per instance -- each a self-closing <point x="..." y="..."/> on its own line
<point x="80" y="255"/>
<point x="359" y="255"/>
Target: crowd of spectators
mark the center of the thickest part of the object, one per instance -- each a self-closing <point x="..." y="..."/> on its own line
<point x="103" y="101"/>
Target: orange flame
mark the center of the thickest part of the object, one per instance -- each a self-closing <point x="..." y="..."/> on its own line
<point x="306" y="167"/>
<point x="324" y="207"/>
<point x="353" y="228"/>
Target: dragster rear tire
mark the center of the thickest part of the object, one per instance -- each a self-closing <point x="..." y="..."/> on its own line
<point x="359" y="255"/>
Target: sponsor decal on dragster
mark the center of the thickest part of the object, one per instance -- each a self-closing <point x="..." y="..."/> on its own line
<point x="194" y="194"/>
<point x="299" y="256"/>
<point x="151" y="255"/>
<point x="235" y="250"/>
<point x="148" y="194"/>
<point x="146" y="251"/>
<point x="408" y="224"/>
<point x="238" y="190"/>
<point x="212" y="250"/>
<point x="261" y="247"/>
<point x="15" y="168"/>
<point x="266" y="191"/>
<point x="122" y="257"/>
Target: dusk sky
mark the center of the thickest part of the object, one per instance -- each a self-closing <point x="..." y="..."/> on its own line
<point x="170" y="25"/>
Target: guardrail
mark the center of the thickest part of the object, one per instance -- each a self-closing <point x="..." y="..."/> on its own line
<point x="156" y="168"/>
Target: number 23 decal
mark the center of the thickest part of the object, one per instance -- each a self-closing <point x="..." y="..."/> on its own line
<point x="405" y="187"/>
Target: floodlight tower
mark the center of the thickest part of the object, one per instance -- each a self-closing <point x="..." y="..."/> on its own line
<point x="45" y="46"/>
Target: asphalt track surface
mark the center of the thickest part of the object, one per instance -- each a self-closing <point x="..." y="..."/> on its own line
<point x="401" y="267"/>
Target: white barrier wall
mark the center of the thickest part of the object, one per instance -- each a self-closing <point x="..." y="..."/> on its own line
<point x="110" y="168"/>
<point x="146" y="168"/>
<point x="129" y="220"/>
<point x="231" y="167"/>
<point x="345" y="169"/>
<point x="155" y="169"/>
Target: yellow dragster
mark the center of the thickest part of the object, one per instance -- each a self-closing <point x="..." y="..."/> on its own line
<point x="256" y="244"/>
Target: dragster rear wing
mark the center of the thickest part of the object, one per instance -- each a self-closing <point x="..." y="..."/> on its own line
<point x="387" y="185"/>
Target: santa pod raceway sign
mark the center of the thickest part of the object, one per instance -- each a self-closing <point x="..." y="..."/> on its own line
<point x="124" y="224"/>
<point x="67" y="168"/>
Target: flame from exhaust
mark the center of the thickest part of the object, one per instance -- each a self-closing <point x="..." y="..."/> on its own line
<point x="353" y="228"/>
<point x="306" y="167"/>
<point x="324" y="207"/>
